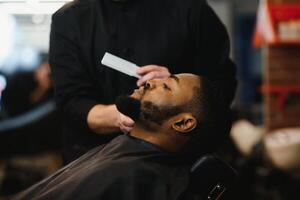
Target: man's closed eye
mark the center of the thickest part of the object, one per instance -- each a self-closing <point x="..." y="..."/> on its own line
<point x="166" y="87"/>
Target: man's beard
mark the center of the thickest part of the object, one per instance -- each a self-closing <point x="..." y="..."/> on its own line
<point x="129" y="106"/>
<point x="146" y="112"/>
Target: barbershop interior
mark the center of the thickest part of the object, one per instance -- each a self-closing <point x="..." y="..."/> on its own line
<point x="260" y="158"/>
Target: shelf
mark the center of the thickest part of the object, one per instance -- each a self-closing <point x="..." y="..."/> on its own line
<point x="280" y="89"/>
<point x="284" y="43"/>
<point x="282" y="93"/>
<point x="268" y="19"/>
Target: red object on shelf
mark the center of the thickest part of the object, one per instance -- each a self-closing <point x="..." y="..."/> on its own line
<point x="284" y="12"/>
<point x="268" y="18"/>
<point x="282" y="92"/>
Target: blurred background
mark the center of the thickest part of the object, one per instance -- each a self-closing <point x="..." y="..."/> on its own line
<point x="264" y="146"/>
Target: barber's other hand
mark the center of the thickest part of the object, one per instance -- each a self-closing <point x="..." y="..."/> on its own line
<point x="149" y="72"/>
<point x="124" y="123"/>
<point x="106" y="119"/>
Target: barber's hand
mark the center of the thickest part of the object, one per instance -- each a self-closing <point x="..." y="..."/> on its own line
<point x="106" y="119"/>
<point x="125" y="123"/>
<point x="149" y="72"/>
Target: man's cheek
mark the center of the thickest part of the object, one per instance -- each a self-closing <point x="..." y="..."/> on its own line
<point x="160" y="100"/>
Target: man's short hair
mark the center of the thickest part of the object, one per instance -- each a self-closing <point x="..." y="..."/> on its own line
<point x="213" y="117"/>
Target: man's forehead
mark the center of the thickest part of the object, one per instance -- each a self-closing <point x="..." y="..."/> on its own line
<point x="175" y="78"/>
<point x="188" y="78"/>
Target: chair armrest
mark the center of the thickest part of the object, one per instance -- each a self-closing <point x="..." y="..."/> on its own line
<point x="211" y="176"/>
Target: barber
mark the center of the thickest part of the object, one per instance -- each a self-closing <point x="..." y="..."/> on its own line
<point x="162" y="36"/>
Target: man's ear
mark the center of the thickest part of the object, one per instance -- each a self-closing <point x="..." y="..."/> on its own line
<point x="184" y="122"/>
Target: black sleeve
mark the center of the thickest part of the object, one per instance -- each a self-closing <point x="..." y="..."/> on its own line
<point x="212" y="52"/>
<point x="74" y="91"/>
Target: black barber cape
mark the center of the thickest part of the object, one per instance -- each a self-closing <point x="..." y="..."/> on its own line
<point x="126" y="168"/>
<point x="186" y="36"/>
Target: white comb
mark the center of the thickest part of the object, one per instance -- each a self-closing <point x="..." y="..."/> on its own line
<point x="120" y="64"/>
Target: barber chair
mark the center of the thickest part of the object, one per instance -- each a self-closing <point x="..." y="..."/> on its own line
<point x="210" y="178"/>
<point x="32" y="132"/>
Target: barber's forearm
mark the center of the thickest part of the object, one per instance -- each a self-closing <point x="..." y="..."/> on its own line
<point x="102" y="119"/>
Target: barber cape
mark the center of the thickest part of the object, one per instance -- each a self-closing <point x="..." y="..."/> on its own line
<point x="126" y="168"/>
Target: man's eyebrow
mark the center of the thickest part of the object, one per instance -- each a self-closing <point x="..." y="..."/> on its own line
<point x="175" y="78"/>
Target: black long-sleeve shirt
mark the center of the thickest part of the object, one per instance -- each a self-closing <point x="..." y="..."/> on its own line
<point x="185" y="36"/>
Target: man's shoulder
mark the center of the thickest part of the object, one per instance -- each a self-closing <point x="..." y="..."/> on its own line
<point x="75" y="6"/>
<point x="187" y="7"/>
<point x="189" y="3"/>
<point x="197" y="4"/>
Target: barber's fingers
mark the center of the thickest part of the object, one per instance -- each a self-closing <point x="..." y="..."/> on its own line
<point x="152" y="75"/>
<point x="152" y="72"/>
<point x="149" y="68"/>
<point x="125" y="129"/>
<point x="126" y="121"/>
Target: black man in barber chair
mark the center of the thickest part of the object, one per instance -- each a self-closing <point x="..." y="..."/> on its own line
<point x="178" y="119"/>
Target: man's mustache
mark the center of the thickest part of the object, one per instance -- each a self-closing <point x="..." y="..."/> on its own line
<point x="129" y="106"/>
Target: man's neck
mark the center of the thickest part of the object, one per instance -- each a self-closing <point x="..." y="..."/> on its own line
<point x="158" y="138"/>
